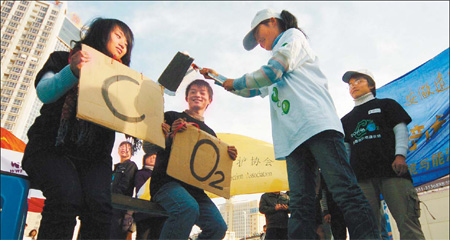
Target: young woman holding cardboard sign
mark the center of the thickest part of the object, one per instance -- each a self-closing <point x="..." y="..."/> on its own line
<point x="306" y="129"/>
<point x="67" y="158"/>
<point x="187" y="205"/>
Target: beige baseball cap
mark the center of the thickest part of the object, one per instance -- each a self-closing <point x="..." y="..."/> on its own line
<point x="249" y="40"/>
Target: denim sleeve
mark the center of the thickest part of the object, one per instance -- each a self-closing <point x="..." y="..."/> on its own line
<point x="265" y="76"/>
<point x="248" y="93"/>
<point x="53" y="86"/>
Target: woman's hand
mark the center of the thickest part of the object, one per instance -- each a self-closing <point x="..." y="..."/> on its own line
<point x="228" y="84"/>
<point x="205" y="72"/>
<point x="165" y="128"/>
<point x="232" y="152"/>
<point x="77" y="61"/>
<point x="177" y="123"/>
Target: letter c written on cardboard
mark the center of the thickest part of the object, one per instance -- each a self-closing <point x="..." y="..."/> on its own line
<point x="106" y="84"/>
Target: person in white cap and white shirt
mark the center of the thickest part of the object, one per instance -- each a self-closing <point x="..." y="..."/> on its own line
<point x="376" y="136"/>
<point x="305" y="127"/>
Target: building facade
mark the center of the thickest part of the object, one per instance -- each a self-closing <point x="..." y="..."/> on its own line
<point x="30" y="31"/>
<point x="243" y="217"/>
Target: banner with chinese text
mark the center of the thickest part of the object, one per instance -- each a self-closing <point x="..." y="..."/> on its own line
<point x="424" y="94"/>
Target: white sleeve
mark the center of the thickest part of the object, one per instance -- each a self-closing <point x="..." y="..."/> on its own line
<point x="401" y="139"/>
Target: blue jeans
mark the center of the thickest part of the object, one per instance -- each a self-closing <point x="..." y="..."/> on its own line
<point x="326" y="150"/>
<point x="185" y="210"/>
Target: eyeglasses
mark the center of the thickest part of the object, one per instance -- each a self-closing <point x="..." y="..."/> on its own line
<point x="356" y="82"/>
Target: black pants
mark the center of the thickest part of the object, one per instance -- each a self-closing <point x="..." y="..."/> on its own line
<point x="72" y="187"/>
<point x="276" y="233"/>
<point x="148" y="228"/>
<point x="338" y="227"/>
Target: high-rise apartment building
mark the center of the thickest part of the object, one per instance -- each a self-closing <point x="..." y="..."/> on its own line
<point x="30" y="31"/>
<point x="243" y="217"/>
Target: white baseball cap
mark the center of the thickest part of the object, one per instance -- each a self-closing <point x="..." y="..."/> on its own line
<point x="349" y="74"/>
<point x="249" y="40"/>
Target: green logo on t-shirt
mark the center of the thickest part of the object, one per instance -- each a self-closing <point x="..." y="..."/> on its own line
<point x="363" y="128"/>
<point x="284" y="105"/>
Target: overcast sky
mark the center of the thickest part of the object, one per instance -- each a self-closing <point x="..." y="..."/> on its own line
<point x="388" y="38"/>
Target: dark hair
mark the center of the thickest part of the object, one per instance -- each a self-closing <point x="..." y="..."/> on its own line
<point x="145" y="157"/>
<point x="200" y="83"/>
<point x="130" y="144"/>
<point x="370" y="82"/>
<point x="287" y="21"/>
<point x="97" y="36"/>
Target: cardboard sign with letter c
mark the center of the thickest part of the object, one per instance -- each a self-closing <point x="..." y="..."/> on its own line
<point x="201" y="160"/>
<point x="117" y="97"/>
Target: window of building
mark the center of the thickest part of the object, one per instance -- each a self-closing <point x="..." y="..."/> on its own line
<point x="21" y="94"/>
<point x="16" y="18"/>
<point x="11" y="84"/>
<point x="14" y="109"/>
<point x="37" y="53"/>
<point x="6" y="36"/>
<point x="23" y="87"/>
<point x="20" y="63"/>
<point x="24" y="2"/>
<point x="5" y="99"/>
<point x="25" y="49"/>
<point x="11" y="118"/>
<point x="39" y="20"/>
<point x="42" y="40"/>
<point x="34" y="30"/>
<point x="4" y="15"/>
<point x="36" y="24"/>
<point x="45" y="34"/>
<point x="3" y="50"/>
<point x="10" y="30"/>
<point x="17" y="70"/>
<point x="52" y="18"/>
<point x="41" y="14"/>
<point x="10" y="3"/>
<point x="4" y="107"/>
<point x="29" y="73"/>
<point x="13" y="77"/>
<point x="18" y="13"/>
<point x="17" y="102"/>
<point x="40" y="46"/>
<point x="23" y="8"/>
<point x="31" y="36"/>
<point x="7" y="92"/>
<point x="13" y="24"/>
<point x="32" y="66"/>
<point x="5" y="44"/>
<point x="44" y="9"/>
<point x="8" y="126"/>
<point x="26" y="80"/>
<point x="28" y="43"/>
<point x="6" y="9"/>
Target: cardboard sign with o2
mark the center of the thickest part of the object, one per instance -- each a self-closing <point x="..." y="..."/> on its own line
<point x="201" y="160"/>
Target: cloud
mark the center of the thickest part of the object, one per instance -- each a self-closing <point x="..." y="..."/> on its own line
<point x="389" y="38"/>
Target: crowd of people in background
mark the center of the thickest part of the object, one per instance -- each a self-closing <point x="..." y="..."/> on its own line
<point x="336" y="168"/>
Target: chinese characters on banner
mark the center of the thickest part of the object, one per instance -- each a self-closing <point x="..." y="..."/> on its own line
<point x="424" y="93"/>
